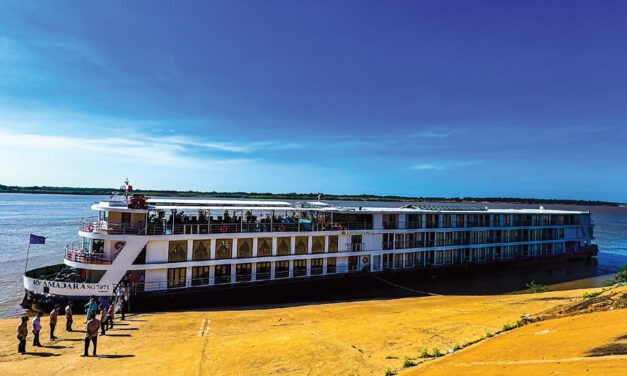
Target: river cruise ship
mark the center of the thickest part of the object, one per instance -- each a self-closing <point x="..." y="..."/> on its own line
<point x="163" y="247"/>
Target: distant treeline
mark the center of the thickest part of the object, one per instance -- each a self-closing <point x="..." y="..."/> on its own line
<point x="299" y="196"/>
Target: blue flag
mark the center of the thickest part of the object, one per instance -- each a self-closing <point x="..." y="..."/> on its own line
<point x="36" y="239"/>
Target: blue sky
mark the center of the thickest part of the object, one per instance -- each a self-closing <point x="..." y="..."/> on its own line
<point x="416" y="98"/>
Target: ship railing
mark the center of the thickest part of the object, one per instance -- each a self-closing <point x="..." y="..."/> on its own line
<point x="355" y="247"/>
<point x="221" y="280"/>
<point x="104" y="227"/>
<point x="413" y="225"/>
<point x="244" y="227"/>
<point x="85" y="257"/>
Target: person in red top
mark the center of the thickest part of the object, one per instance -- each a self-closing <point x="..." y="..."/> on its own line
<point x="53" y="321"/>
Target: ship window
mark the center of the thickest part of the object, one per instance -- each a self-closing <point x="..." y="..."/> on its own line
<point x="283" y="246"/>
<point x="176" y="277"/>
<point x="317" y="244"/>
<point x="98" y="246"/>
<point x="223" y="274"/>
<point x="282" y="269"/>
<point x="331" y="265"/>
<point x="200" y="275"/>
<point x="332" y="244"/>
<point x="243" y="272"/>
<point x="459" y="218"/>
<point x="316" y="266"/>
<point x="353" y="262"/>
<point x="244" y="247"/>
<point x="126" y="217"/>
<point x="263" y="270"/>
<point x="398" y="260"/>
<point x="413" y="221"/>
<point x="300" y="268"/>
<point x="264" y="247"/>
<point x="390" y="221"/>
<point x="446" y="220"/>
<point x="177" y="251"/>
<point x="301" y="245"/>
<point x="201" y="250"/>
<point x="409" y="259"/>
<point x="223" y="248"/>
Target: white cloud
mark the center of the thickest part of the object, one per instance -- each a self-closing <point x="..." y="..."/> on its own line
<point x="151" y="163"/>
<point x="427" y="166"/>
<point x="444" y="165"/>
<point x="433" y="134"/>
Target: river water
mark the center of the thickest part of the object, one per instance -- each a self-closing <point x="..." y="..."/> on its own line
<point x="57" y="218"/>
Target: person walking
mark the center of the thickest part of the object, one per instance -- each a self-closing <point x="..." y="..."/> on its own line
<point x="103" y="319"/>
<point x="110" y="314"/>
<point x="68" y="317"/>
<point x="22" y="333"/>
<point x="36" y="328"/>
<point x="54" y="314"/>
<point x="91" y="333"/>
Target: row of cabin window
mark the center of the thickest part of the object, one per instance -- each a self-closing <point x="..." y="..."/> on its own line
<point x="177" y="250"/>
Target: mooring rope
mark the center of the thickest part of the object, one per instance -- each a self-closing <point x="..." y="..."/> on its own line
<point x="403" y="287"/>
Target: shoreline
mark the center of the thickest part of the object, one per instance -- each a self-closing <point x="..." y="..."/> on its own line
<point x="481" y="285"/>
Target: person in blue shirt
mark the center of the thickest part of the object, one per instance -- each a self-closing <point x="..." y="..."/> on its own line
<point x="91" y="307"/>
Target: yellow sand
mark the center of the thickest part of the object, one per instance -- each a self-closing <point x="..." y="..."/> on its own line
<point x="353" y="338"/>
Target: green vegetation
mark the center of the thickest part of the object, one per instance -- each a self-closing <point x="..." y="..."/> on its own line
<point x="407" y="362"/>
<point x="296" y="196"/>
<point x="588" y="295"/>
<point x="436" y="352"/>
<point x="457" y="347"/>
<point x="533" y="287"/>
<point x="510" y="326"/>
<point x="424" y="354"/>
<point x="621" y="275"/>
<point x="389" y="372"/>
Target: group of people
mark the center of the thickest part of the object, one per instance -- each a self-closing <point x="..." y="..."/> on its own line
<point x="100" y="315"/>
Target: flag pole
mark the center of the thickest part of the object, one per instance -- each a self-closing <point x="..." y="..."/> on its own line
<point x="27" y="252"/>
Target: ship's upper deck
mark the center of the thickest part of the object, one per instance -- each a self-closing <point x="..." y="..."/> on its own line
<point x="182" y="204"/>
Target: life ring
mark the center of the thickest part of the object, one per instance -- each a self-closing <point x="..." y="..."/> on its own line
<point x="119" y="245"/>
<point x="281" y="227"/>
<point x="223" y="229"/>
<point x="340" y="227"/>
<point x="364" y="260"/>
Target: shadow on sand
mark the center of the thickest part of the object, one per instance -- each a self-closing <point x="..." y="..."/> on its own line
<point x="117" y="335"/>
<point x="42" y="354"/>
<point x="55" y="347"/>
<point x="114" y="356"/>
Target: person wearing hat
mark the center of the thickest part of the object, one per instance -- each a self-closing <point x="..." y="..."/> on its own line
<point x="22" y="332"/>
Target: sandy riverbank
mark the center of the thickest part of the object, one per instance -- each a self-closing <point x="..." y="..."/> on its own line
<point x="350" y="338"/>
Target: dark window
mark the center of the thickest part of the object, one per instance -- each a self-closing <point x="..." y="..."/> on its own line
<point x="263" y="270"/>
<point x="176" y="277"/>
<point x="200" y="275"/>
<point x="243" y="272"/>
